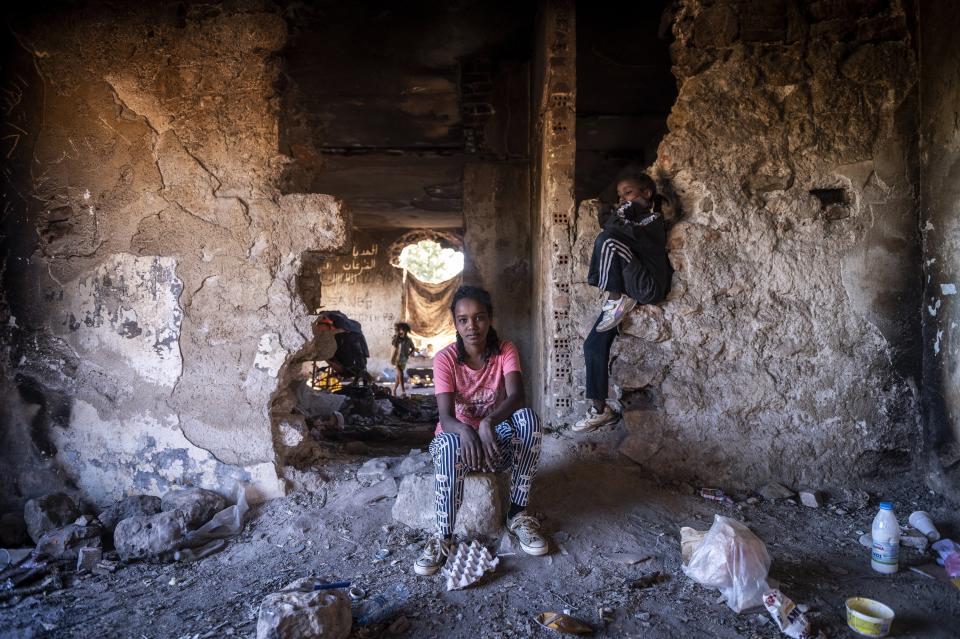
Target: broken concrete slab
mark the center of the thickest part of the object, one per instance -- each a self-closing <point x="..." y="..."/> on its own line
<point x="482" y="512"/>
<point x="417" y="461"/>
<point x="197" y="504"/>
<point x="773" y="490"/>
<point x="132" y="506"/>
<point x="47" y="513"/>
<point x="150" y="536"/>
<point x="374" y="468"/>
<point x="88" y="558"/>
<point x="299" y="611"/>
<point x="66" y="542"/>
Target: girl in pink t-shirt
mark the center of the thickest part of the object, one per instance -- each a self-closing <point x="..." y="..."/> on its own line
<point x="483" y="426"/>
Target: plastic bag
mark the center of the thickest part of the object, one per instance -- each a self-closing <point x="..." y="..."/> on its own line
<point x="226" y="523"/>
<point x="734" y="560"/>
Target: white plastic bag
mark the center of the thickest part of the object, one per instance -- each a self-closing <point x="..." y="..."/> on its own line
<point x="733" y="560"/>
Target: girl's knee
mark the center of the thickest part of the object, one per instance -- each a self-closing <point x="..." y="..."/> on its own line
<point x="442" y="443"/>
<point x="527" y="423"/>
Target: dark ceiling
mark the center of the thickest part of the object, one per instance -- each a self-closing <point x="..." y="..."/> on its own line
<point x="372" y="108"/>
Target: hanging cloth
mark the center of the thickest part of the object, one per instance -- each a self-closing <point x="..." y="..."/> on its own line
<point x="426" y="307"/>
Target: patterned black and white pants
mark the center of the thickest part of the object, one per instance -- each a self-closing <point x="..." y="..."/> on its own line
<point x="518" y="440"/>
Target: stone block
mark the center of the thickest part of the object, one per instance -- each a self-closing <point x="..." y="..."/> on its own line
<point x="143" y="537"/>
<point x="299" y="612"/>
<point x="133" y="506"/>
<point x="810" y="498"/>
<point x="66" y="542"/>
<point x="197" y="504"/>
<point x="49" y="513"/>
<point x="482" y="513"/>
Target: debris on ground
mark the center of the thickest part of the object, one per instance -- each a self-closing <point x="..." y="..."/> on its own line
<point x="468" y="564"/>
<point x="810" y="498"/>
<point x="788" y="616"/>
<point x="773" y="491"/>
<point x="299" y="610"/>
<point x="563" y="623"/>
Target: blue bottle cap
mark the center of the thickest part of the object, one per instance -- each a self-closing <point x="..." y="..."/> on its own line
<point x="886" y="505"/>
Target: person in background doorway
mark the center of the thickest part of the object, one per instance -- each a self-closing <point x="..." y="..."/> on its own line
<point x="402" y="348"/>
<point x="630" y="264"/>
<point x="484" y="426"/>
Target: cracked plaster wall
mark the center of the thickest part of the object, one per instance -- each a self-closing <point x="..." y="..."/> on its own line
<point x="787" y="349"/>
<point x="150" y="261"/>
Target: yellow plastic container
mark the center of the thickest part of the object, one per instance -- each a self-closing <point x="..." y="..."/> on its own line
<point x="868" y="617"/>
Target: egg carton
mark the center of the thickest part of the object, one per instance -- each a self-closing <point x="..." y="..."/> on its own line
<point x="468" y="564"/>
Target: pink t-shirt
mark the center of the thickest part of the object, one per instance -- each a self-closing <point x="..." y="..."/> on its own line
<point x="475" y="393"/>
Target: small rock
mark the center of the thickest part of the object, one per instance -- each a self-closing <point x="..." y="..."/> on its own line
<point x="48" y="513"/>
<point x="133" y="506"/>
<point x="143" y="537"/>
<point x="376" y="468"/>
<point x="13" y="530"/>
<point x="88" y="558"/>
<point x="298" y="612"/>
<point x="198" y="504"/>
<point x="104" y="567"/>
<point x="642" y="616"/>
<point x="810" y="498"/>
<point x="385" y="406"/>
<point x="415" y="462"/>
<point x="66" y="542"/>
<point x="773" y="490"/>
<point x="752" y="500"/>
<point x="856" y="499"/>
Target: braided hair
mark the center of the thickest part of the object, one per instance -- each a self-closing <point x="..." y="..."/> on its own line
<point x="492" y="347"/>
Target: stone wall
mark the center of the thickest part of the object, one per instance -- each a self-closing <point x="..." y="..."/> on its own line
<point x="788" y="347"/>
<point x="149" y="260"/>
<point x="940" y="95"/>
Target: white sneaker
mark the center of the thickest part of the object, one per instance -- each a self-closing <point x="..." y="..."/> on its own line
<point x="614" y="311"/>
<point x="595" y="419"/>
<point x="526" y="529"/>
<point x="433" y="557"/>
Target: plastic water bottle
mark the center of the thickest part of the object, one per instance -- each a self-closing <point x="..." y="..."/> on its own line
<point x="885" y="555"/>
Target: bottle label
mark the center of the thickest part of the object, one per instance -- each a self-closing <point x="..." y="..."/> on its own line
<point x="886" y="552"/>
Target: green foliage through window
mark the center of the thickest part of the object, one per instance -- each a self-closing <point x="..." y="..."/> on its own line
<point x="430" y="263"/>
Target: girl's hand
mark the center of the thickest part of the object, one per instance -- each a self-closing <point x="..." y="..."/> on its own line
<point x="489" y="441"/>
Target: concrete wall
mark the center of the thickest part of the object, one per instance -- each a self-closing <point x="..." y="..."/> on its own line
<point x="940" y="127"/>
<point x="497" y="246"/>
<point x="366" y="287"/>
<point x="149" y="260"/>
<point x="788" y="347"/>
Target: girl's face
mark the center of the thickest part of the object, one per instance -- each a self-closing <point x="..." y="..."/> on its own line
<point x="629" y="190"/>
<point x="402" y="332"/>
<point x="472" y="321"/>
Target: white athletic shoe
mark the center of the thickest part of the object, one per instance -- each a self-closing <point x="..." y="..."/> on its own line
<point x="433" y="556"/>
<point x="614" y="311"/>
<point x="526" y="529"/>
<point x="595" y="420"/>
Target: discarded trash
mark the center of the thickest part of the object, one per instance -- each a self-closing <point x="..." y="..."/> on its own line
<point x="868" y="617"/>
<point x="605" y="613"/>
<point x="912" y="538"/>
<point x="690" y="539"/>
<point x="629" y="558"/>
<point x="357" y="593"/>
<point x="382" y="606"/>
<point x="104" y="567"/>
<point x="715" y="494"/>
<point x="331" y="585"/>
<point x="788" y="617"/>
<point x="922" y="522"/>
<point x="949" y="557"/>
<point x="563" y="623"/>
<point x="734" y="560"/>
<point x="209" y="548"/>
<point x="468" y="565"/>
<point x="648" y="580"/>
<point x="88" y="558"/>
<point x="382" y="554"/>
<point x="885" y="556"/>
<point x="866" y="540"/>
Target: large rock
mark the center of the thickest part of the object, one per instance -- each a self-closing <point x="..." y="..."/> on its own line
<point x="482" y="513"/>
<point x="299" y="612"/>
<point x="133" y="506"/>
<point x="197" y="504"/>
<point x="49" y="513"/>
<point x="66" y="542"/>
<point x="150" y="536"/>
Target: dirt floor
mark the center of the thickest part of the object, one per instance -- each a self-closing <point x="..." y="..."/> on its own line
<point x="594" y="505"/>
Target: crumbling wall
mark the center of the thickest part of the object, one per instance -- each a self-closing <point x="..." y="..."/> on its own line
<point x="787" y="349"/>
<point x="940" y="124"/>
<point x="497" y="247"/>
<point x="150" y="261"/>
